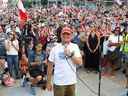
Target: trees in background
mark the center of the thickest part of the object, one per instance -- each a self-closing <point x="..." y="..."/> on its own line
<point x="44" y="2"/>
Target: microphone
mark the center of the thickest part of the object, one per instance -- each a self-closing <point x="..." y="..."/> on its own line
<point x="64" y="44"/>
<point x="67" y="50"/>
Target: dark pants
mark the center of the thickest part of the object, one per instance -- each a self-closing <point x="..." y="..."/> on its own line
<point x="125" y="63"/>
<point x="64" y="90"/>
<point x="1" y="76"/>
<point x="2" y="51"/>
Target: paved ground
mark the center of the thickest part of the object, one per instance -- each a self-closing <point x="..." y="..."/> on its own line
<point x="109" y="86"/>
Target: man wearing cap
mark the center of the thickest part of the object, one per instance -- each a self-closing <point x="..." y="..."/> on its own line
<point x="64" y="56"/>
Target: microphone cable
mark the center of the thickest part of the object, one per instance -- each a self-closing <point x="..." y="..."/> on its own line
<point x="85" y="84"/>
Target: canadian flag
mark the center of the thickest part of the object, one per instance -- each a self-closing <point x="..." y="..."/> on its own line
<point x="23" y="16"/>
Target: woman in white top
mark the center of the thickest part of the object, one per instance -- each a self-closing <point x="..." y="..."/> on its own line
<point x="12" y="48"/>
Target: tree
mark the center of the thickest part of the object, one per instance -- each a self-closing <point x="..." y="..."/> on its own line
<point x="44" y="2"/>
<point x="109" y="2"/>
<point x="27" y="3"/>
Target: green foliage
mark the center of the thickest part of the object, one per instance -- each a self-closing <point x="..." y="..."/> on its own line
<point x="27" y="3"/>
<point x="44" y="2"/>
<point x="109" y="2"/>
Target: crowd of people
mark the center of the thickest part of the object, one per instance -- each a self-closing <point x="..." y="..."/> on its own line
<point x="30" y="47"/>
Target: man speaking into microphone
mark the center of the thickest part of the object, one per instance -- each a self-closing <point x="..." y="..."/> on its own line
<point x="64" y="57"/>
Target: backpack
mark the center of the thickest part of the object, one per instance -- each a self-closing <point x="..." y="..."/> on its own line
<point x="8" y="81"/>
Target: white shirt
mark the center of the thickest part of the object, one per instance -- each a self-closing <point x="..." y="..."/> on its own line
<point x="105" y="47"/>
<point x="8" y="30"/>
<point x="114" y="39"/>
<point x="12" y="50"/>
<point x="64" y="71"/>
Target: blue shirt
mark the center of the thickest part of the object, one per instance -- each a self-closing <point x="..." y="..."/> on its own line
<point x="40" y="57"/>
<point x="30" y="53"/>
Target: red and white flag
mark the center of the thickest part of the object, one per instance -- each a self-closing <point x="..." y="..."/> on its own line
<point x="23" y="16"/>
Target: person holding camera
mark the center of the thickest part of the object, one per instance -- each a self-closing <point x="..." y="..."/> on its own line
<point x="12" y="48"/>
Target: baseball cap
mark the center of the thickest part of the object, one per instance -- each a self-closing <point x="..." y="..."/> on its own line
<point x="67" y="30"/>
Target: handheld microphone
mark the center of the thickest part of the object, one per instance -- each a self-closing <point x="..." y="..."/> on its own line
<point x="67" y="50"/>
<point x="64" y="44"/>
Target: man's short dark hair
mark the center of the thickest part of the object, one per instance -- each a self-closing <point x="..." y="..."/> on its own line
<point x="2" y="57"/>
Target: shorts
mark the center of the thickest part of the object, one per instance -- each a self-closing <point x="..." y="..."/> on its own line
<point x="35" y="71"/>
<point x="64" y="90"/>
